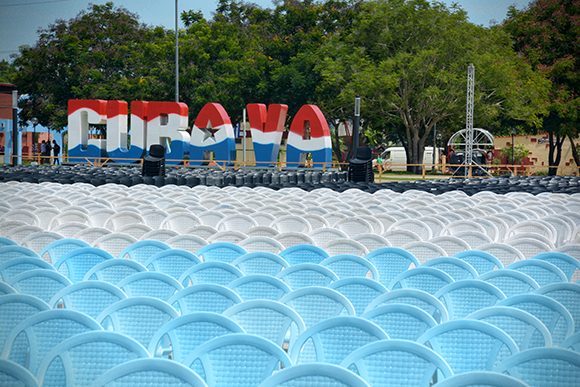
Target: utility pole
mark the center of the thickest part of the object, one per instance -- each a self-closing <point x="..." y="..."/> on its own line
<point x="176" y="51"/>
<point x="355" y="126"/>
<point x="469" y="116"/>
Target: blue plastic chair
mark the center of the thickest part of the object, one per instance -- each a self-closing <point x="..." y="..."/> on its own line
<point x="204" y="298"/>
<point x="137" y="317"/>
<point x="390" y="262"/>
<point x="314" y="374"/>
<point x="150" y="284"/>
<point x="545" y="367"/>
<point x="7" y="242"/>
<point x="15" y="266"/>
<point x="42" y="332"/>
<point x="220" y="273"/>
<point x="304" y="253"/>
<point x="567" y="294"/>
<point x="520" y="325"/>
<point x="331" y="340"/>
<point x="15" y="308"/>
<point x="237" y="360"/>
<point x="569" y="265"/>
<point x="572" y="342"/>
<point x="307" y="274"/>
<point x="401" y="321"/>
<point x="12" y="251"/>
<point x="6" y="289"/>
<point x="348" y="265"/>
<point x="415" y="297"/>
<point x="77" y="263"/>
<point x="186" y="333"/>
<point x="142" y="251"/>
<point x="221" y="252"/>
<point x="88" y="297"/>
<point x="469" y="345"/>
<point x="510" y="282"/>
<point x="269" y="319"/>
<point x="59" y="249"/>
<point x="360" y="291"/>
<point x="259" y="286"/>
<point x="260" y="262"/>
<point x="466" y="296"/>
<point x="114" y="270"/>
<point x="173" y="262"/>
<point x="423" y="278"/>
<point x="481" y="379"/>
<point x="543" y="272"/>
<point x="397" y="363"/>
<point x="554" y="315"/>
<point x="13" y="374"/>
<point x="315" y="303"/>
<point x="150" y="372"/>
<point x="82" y="358"/>
<point x="480" y="260"/>
<point x="40" y="283"/>
<point x="458" y="269"/>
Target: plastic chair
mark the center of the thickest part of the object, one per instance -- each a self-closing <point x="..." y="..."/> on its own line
<point x="314" y="374"/>
<point x="150" y="284"/>
<point x="564" y="262"/>
<point x="151" y="372"/>
<point x="567" y="294"/>
<point x="466" y="296"/>
<point x="190" y="243"/>
<point x="201" y="231"/>
<point x="15" y="266"/>
<point x="6" y="242"/>
<point x="61" y="248"/>
<point x="481" y="379"/>
<point x="263" y="231"/>
<point x="269" y="319"/>
<point x="142" y="251"/>
<point x="423" y="278"/>
<point x="401" y="321"/>
<point x="397" y="363"/>
<point x="346" y="246"/>
<point x="572" y="342"/>
<point x="237" y="359"/>
<point x="262" y="244"/>
<point x="307" y="274"/>
<point x="259" y="286"/>
<point x="510" y="282"/>
<point x="469" y="345"/>
<point x="88" y="297"/>
<point x="42" y="332"/>
<point x="91" y="234"/>
<point x="291" y="223"/>
<point x="348" y="266"/>
<point x="360" y="291"/>
<point x="450" y="244"/>
<point x="520" y="325"/>
<point x="210" y="272"/>
<point x="304" y="254"/>
<point x="235" y="222"/>
<point x="6" y="289"/>
<point x="37" y="241"/>
<point x="40" y="283"/>
<point x="455" y="267"/>
<point x="159" y="235"/>
<point x="390" y="262"/>
<point x="372" y="241"/>
<point x="12" y="251"/>
<point x="230" y="236"/>
<point x="66" y="364"/>
<point x="315" y="303"/>
<point x="546" y="367"/>
<point x="184" y="334"/>
<point x="180" y="221"/>
<point x="415" y="297"/>
<point x="554" y="315"/>
<point x="221" y="252"/>
<point x="424" y="251"/>
<point x="260" y="263"/>
<point x="137" y="317"/>
<point x="480" y="260"/>
<point x="172" y="262"/>
<point x="542" y="272"/>
<point x="15" y="308"/>
<point x="13" y="374"/>
<point x="78" y="262"/>
<point x="114" y="270"/>
<point x="530" y="246"/>
<point x="204" y="298"/>
<point x="323" y="236"/>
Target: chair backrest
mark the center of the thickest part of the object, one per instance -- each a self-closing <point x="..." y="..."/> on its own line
<point x="204" y="298"/>
<point x="13" y="374"/>
<point x="304" y="254"/>
<point x="347" y="266"/>
<point x="572" y="342"/>
<point x="40" y="283"/>
<point x="172" y="262"/>
<point x="291" y="238"/>
<point x="480" y="260"/>
<point x="137" y="317"/>
<point x="237" y="359"/>
<point x="307" y="274"/>
<point x="568" y="264"/>
<point x="510" y="282"/>
<point x="401" y="321"/>
<point x="424" y="251"/>
<point x="190" y="243"/>
<point x="37" y="241"/>
<point x="567" y="294"/>
<point x="269" y="319"/>
<point x="360" y="291"/>
<point x="261" y="263"/>
<point x="372" y="241"/>
<point x="15" y="308"/>
<point x="186" y="333"/>
<point x="150" y="284"/>
<point x="291" y="223"/>
<point x="427" y="279"/>
<point x="455" y="267"/>
<point x="520" y="325"/>
<point x="6" y="242"/>
<point x="451" y="244"/>
<point x="530" y="246"/>
<point x="261" y="244"/>
<point x="180" y="221"/>
<point x="141" y="251"/>
<point x="210" y="272"/>
<point x="114" y="270"/>
<point x="481" y="378"/>
<point x="323" y="236"/>
<point x="236" y="222"/>
<point x="414" y="225"/>
<point x="159" y="235"/>
<point x="409" y="363"/>
<point x="221" y="252"/>
<point x="415" y="297"/>
<point x="312" y="374"/>
<point x="469" y="345"/>
<point x="88" y="297"/>
<point x="259" y="286"/>
<point x="390" y="262"/>
<point x="61" y="248"/>
<point x="542" y="272"/>
<point x="15" y="266"/>
<point x="78" y="262"/>
<point x="466" y="296"/>
<point x="66" y="364"/>
<point x="154" y="372"/>
<point x="42" y="332"/>
<point x="544" y="367"/>
<point x="6" y="289"/>
<point x="12" y="251"/>
<point x="114" y="243"/>
<point x="91" y="234"/>
<point x="346" y="246"/>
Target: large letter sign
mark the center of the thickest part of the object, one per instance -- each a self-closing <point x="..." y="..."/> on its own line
<point x="212" y="132"/>
<point x="309" y="133"/>
<point x="117" y="133"/>
<point x="267" y="127"/>
<point x="81" y="114"/>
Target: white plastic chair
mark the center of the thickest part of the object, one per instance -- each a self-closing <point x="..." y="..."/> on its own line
<point x="425" y="251"/>
<point x="400" y="238"/>
<point x="289" y="239"/>
<point x="154" y="217"/>
<point x="114" y="243"/>
<point x="69" y="230"/>
<point x="37" y="241"/>
<point x="473" y="238"/>
<point x="530" y="247"/>
<point x="203" y="232"/>
<point x="190" y="243"/>
<point x="180" y="221"/>
<point x="323" y="236"/>
<point x="415" y="226"/>
<point x="261" y="243"/>
<point x="237" y="222"/>
<point x="354" y="226"/>
<point x="91" y="234"/>
<point x="451" y="244"/>
<point x="264" y="231"/>
<point x="346" y="246"/>
<point x="291" y="223"/>
<point x="136" y="230"/>
<point x="122" y="219"/>
<point x="371" y="241"/>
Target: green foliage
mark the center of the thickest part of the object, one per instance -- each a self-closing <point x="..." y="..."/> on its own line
<point x="7" y="72"/>
<point x="520" y="152"/>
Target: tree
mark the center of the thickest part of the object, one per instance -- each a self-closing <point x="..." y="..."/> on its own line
<point x="408" y="60"/>
<point x="7" y="72"/>
<point x="546" y="33"/>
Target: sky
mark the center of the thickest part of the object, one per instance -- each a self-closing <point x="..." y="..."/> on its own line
<point x="21" y="19"/>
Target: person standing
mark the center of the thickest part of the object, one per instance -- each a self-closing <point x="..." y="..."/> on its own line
<point x="56" y="152"/>
<point x="47" y="153"/>
<point x="42" y="151"/>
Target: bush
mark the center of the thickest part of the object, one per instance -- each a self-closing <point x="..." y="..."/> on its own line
<point x="520" y="153"/>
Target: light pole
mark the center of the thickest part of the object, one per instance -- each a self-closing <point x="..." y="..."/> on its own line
<point x="513" y="147"/>
<point x="34" y="122"/>
<point x="176" y="51"/>
<point x="355" y="126"/>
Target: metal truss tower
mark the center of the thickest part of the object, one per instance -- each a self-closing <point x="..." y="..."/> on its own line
<point x="469" y="115"/>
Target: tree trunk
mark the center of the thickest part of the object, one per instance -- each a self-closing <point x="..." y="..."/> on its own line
<point x="575" y="154"/>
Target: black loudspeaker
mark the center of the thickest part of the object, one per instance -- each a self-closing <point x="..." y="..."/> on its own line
<point x="154" y="162"/>
<point x="360" y="169"/>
